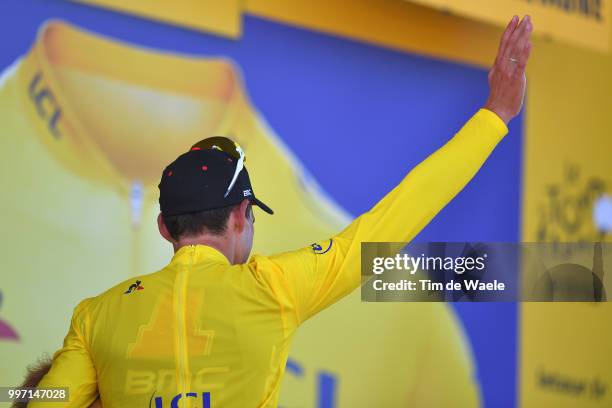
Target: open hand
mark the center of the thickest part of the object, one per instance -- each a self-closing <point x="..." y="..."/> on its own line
<point x="507" y="79"/>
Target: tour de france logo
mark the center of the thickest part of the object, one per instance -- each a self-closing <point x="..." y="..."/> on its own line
<point x="566" y="212"/>
<point x="6" y="331"/>
<point x="567" y="215"/>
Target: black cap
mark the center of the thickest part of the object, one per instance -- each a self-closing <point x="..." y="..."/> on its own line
<point x="198" y="180"/>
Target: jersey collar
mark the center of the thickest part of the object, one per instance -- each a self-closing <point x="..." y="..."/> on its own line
<point x="198" y="254"/>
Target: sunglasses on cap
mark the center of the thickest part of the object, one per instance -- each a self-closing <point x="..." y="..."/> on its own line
<point x="228" y="146"/>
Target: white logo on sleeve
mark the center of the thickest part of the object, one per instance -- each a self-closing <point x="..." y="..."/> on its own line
<point x="247" y="192"/>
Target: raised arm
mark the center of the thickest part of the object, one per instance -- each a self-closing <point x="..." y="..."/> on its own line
<point x="315" y="277"/>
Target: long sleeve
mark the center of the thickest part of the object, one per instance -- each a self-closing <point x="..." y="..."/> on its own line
<point x="72" y="367"/>
<point x="314" y="277"/>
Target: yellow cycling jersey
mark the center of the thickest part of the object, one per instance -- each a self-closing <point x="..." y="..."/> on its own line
<point x="204" y="333"/>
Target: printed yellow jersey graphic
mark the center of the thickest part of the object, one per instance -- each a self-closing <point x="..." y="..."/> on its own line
<point x="87" y="123"/>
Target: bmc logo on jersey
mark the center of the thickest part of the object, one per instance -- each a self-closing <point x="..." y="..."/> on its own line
<point x="247" y="192"/>
<point x="174" y="403"/>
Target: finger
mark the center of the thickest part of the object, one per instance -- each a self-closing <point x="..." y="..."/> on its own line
<point x="524" y="57"/>
<point x="519" y="52"/>
<point x="520" y="30"/>
<point x="503" y="44"/>
<point x="506" y="35"/>
<point x="514" y="38"/>
<point x="504" y="61"/>
<point x="524" y="37"/>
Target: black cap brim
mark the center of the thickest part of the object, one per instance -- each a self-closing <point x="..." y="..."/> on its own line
<point x="262" y="205"/>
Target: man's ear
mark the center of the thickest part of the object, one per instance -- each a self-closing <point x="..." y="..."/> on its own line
<point x="239" y="216"/>
<point x="163" y="230"/>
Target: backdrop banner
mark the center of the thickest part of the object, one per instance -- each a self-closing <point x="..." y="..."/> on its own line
<point x="580" y="22"/>
<point x="217" y="16"/>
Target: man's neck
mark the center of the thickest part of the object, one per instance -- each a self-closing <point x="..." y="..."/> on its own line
<point x="220" y="242"/>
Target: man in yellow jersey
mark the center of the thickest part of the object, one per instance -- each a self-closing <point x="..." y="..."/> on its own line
<point x="84" y="127"/>
<point x="213" y="327"/>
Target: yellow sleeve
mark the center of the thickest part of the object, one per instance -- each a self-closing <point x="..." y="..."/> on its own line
<point x="315" y="277"/>
<point x="72" y="367"/>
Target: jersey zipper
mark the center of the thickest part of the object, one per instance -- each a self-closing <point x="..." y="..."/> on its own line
<point x="183" y="358"/>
